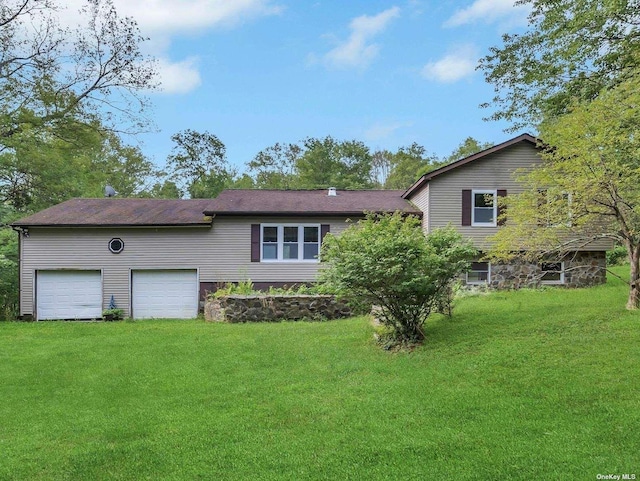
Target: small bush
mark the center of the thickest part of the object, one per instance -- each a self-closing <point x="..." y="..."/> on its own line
<point x="617" y="257"/>
<point x="242" y="288"/>
<point x="246" y="288"/>
<point x="113" y="314"/>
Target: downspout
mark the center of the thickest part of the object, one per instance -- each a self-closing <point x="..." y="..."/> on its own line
<point x="20" y="232"/>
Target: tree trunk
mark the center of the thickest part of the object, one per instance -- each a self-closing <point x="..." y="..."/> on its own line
<point x="634" y="282"/>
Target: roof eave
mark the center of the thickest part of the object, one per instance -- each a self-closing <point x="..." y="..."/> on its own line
<point x="190" y="224"/>
<point x="459" y="163"/>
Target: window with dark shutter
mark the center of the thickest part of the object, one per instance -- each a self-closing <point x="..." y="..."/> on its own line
<point x="466" y="207"/>
<point x="255" y="242"/>
<point x="324" y="230"/>
<point x="286" y="242"/>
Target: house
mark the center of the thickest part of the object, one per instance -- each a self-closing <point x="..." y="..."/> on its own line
<point x="465" y="194"/>
<point x="159" y="258"/>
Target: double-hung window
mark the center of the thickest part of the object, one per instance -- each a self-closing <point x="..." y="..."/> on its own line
<point x="290" y="242"/>
<point x="484" y="208"/>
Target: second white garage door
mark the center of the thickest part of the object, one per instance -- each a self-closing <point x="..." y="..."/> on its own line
<point x="164" y="294"/>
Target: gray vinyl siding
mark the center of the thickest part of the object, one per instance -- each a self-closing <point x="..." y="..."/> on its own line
<point x="421" y="201"/>
<point x="493" y="172"/>
<point x="221" y="253"/>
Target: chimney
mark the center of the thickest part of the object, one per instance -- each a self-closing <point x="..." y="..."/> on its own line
<point x="332" y="192"/>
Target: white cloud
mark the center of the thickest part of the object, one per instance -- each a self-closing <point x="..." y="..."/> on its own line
<point x="168" y="17"/>
<point x="456" y="65"/>
<point x="161" y="20"/>
<point x="185" y="16"/>
<point x="489" y="11"/>
<point x="178" y="77"/>
<point x="357" y="50"/>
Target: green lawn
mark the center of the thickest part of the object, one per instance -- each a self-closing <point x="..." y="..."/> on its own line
<point x="518" y="385"/>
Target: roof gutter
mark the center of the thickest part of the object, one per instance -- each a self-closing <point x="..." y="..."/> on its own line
<point x="309" y="213"/>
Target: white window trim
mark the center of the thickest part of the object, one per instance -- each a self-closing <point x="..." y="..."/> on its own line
<point x="280" y="243"/>
<point x="558" y="282"/>
<point x="473" y="208"/>
<point x="480" y="283"/>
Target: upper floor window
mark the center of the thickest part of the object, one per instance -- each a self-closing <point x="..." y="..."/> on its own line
<point x="484" y="208"/>
<point x="290" y="242"/>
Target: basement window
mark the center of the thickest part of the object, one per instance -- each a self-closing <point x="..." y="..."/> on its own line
<point x="552" y="273"/>
<point x="480" y="273"/>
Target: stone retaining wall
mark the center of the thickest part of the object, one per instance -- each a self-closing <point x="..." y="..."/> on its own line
<point x="581" y="269"/>
<point x="265" y="308"/>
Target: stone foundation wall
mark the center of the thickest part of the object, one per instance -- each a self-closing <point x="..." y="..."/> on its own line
<point x="581" y="269"/>
<point x="267" y="308"/>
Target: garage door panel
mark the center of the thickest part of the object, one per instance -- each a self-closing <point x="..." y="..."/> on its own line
<point x="165" y="294"/>
<point x="69" y="295"/>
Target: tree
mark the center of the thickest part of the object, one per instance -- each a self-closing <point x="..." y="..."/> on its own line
<point x="198" y="163"/>
<point x="244" y="181"/>
<point x="122" y="166"/>
<point x="587" y="186"/>
<point x="572" y="50"/>
<point x="163" y="190"/>
<point x="9" y="286"/>
<point x="51" y="75"/>
<point x="386" y="260"/>
<point x="467" y="147"/>
<point x="275" y="167"/>
<point x="408" y="164"/>
<point x="41" y="170"/>
<point x="381" y="165"/>
<point x="330" y="163"/>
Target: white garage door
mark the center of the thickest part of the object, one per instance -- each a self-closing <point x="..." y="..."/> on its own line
<point x="69" y="295"/>
<point x="165" y="294"/>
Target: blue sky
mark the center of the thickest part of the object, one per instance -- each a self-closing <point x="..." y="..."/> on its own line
<point x="257" y="72"/>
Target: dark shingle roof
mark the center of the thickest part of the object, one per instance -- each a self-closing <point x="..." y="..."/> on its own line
<point x="309" y="202"/>
<point x="121" y="212"/>
<point x="110" y="212"/>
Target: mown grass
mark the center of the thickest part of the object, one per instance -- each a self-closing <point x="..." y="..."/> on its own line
<point x="517" y="385"/>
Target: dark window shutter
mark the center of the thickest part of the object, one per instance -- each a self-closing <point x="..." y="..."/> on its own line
<point x="255" y="242"/>
<point x="501" y="193"/>
<point x="324" y="230"/>
<point x="466" y="207"/>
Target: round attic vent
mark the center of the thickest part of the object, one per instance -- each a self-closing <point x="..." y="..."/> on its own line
<point x="116" y="245"/>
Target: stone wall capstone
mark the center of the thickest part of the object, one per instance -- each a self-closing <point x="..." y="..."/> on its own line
<point x="266" y="308"/>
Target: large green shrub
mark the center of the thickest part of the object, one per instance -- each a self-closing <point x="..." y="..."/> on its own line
<point x="387" y="261"/>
